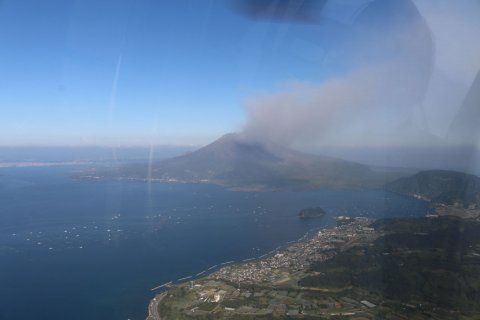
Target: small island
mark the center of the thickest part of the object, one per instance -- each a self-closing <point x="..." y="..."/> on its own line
<point x="308" y="213"/>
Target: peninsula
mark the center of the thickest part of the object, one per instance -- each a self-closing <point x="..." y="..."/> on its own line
<point x="449" y="192"/>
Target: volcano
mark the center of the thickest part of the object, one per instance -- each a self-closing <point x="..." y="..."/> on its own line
<point x="237" y="163"/>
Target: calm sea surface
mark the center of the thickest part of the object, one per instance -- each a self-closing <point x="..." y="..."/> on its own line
<point x="93" y="249"/>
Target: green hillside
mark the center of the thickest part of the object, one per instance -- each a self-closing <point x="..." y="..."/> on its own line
<point x="441" y="187"/>
<point x="416" y="261"/>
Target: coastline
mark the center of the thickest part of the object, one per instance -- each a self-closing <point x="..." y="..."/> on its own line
<point x="153" y="313"/>
<point x="212" y="269"/>
<point x="224" y="271"/>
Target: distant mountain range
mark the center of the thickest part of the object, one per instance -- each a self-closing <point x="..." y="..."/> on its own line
<point x="240" y="164"/>
<point x="441" y="187"/>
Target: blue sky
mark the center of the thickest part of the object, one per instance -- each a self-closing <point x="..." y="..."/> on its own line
<point x="90" y="72"/>
<point x="138" y="72"/>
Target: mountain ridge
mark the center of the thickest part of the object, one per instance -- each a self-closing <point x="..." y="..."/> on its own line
<point x="242" y="164"/>
<point x="445" y="187"/>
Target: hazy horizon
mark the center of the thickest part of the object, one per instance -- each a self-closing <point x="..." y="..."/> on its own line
<point x="459" y="158"/>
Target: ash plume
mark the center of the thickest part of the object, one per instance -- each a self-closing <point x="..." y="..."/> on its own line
<point x="380" y="99"/>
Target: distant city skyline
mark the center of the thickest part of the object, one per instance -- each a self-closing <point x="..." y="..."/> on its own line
<point x="136" y="73"/>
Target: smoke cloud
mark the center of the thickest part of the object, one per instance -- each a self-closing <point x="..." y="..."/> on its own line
<point x="382" y="97"/>
<point x="305" y="111"/>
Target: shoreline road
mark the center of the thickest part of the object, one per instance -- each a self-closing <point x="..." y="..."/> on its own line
<point x="153" y="307"/>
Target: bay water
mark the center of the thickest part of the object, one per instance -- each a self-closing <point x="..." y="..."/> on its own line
<point x="76" y="249"/>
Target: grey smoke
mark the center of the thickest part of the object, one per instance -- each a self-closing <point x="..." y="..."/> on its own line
<point x="306" y="110"/>
<point x="380" y="101"/>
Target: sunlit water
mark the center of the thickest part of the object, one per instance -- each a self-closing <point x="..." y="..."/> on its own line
<point x="93" y="249"/>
